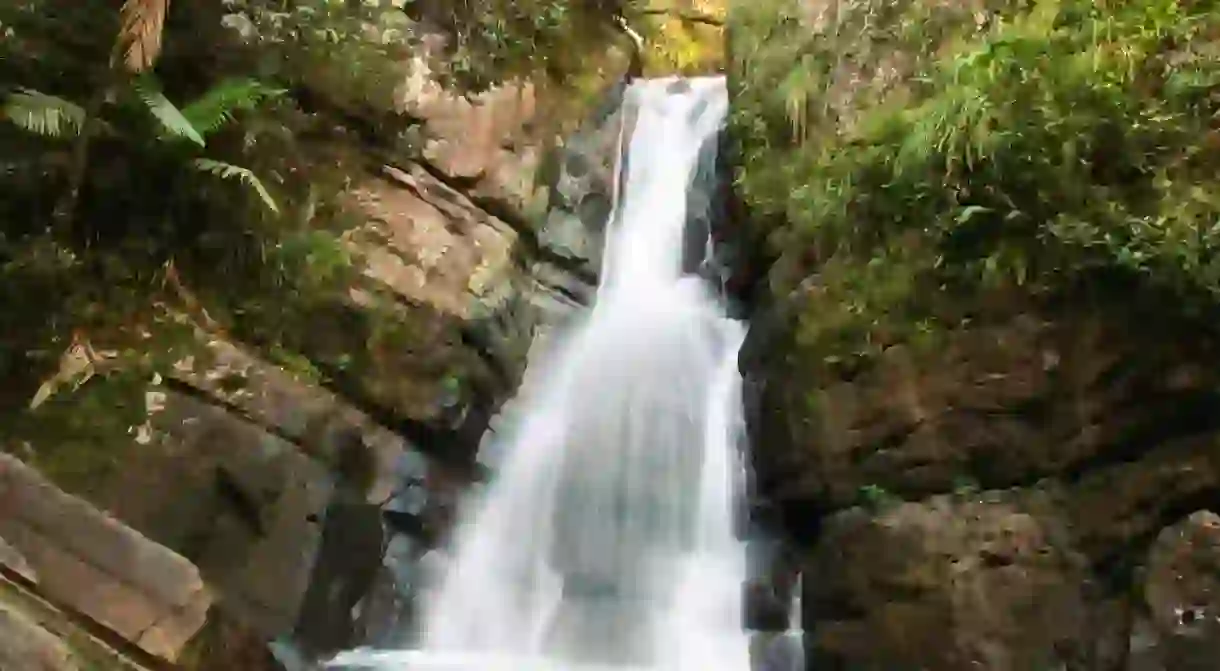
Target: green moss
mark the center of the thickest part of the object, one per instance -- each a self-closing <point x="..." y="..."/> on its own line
<point x="966" y="148"/>
<point x="79" y="438"/>
<point x="877" y="498"/>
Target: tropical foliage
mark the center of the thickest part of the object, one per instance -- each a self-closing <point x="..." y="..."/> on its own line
<point x="1038" y="145"/>
<point x="174" y="172"/>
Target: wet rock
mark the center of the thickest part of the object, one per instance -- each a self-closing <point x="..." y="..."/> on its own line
<point x="771" y="585"/>
<point x="776" y="652"/>
<point x="950" y="584"/>
<point x="1179" y="628"/>
<point x="25" y="646"/>
<point x="344" y="570"/>
<point x="582" y="188"/>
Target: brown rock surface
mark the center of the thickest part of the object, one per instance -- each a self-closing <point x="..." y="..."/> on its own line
<point x="948" y="584"/>
<point x="99" y="567"/>
<point x="429" y="243"/>
<point x="1179" y="628"/>
<point x="232" y="498"/>
<point x="1099" y="428"/>
<point x="11" y="559"/>
<point x="1003" y="403"/>
<point x="25" y="646"/>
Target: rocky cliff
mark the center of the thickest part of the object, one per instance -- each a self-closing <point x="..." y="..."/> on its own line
<point x="980" y="399"/>
<point x="294" y="479"/>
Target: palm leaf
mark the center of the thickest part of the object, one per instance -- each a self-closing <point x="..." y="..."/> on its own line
<point x="42" y="114"/>
<point x="139" y="41"/>
<point x="216" y="108"/>
<point x="173" y="123"/>
<point x="228" y="171"/>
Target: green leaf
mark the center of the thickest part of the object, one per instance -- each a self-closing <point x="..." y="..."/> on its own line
<point x="175" y="125"/>
<point x="228" y="171"/>
<point x="969" y="212"/>
<point x="217" y="107"/>
<point x="42" y="114"/>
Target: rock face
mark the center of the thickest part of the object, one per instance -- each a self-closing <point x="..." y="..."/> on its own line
<point x="947" y="584"/>
<point x="232" y="498"/>
<point x="472" y="225"/>
<point x="1178" y="626"/>
<point x="25" y="646"/>
<point x="13" y="561"/>
<point x="1000" y="472"/>
<point x="1004" y="402"/>
<point x="1038" y="453"/>
<point x="101" y="568"/>
<point x="238" y="467"/>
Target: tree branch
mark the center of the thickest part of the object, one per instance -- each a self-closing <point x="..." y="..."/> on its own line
<point x="685" y="15"/>
<point x="636" y="69"/>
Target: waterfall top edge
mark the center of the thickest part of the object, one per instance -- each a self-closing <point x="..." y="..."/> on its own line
<point x="702" y="82"/>
<point x="459" y="661"/>
<point x="704" y="79"/>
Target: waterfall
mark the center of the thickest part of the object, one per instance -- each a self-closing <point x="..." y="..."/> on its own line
<point x="606" y="540"/>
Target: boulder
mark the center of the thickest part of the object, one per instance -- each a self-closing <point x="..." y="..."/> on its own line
<point x="231" y="497"/>
<point x="950" y="584"/>
<point x="1179" y="625"/>
<point x="98" y="566"/>
<point x="12" y="560"/>
<point x="26" y="646"/>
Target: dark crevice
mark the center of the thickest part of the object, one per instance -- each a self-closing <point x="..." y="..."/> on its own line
<point x="1179" y="416"/>
<point x="429" y="439"/>
<point x="467" y="334"/>
<point x="802" y="520"/>
<point x="686" y="16"/>
<point x="365" y="127"/>
<point x="484" y="347"/>
<point x="1117" y="567"/>
<point x="184" y="388"/>
<point x="890" y="441"/>
<point x="413" y="525"/>
<point x="565" y="292"/>
<point x="453" y="447"/>
<point x="243" y="506"/>
<point x="1182" y="416"/>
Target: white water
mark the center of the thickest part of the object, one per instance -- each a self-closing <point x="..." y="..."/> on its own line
<point x="606" y="540"/>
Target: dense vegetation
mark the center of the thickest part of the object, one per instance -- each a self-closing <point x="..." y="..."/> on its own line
<point x="902" y="151"/>
<point x="163" y="185"/>
<point x="174" y="172"/>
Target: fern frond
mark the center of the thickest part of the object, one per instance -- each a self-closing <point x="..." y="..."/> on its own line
<point x="42" y="114"/>
<point x="228" y="171"/>
<point x="216" y="108"/>
<point x="139" y="41"/>
<point x="173" y="123"/>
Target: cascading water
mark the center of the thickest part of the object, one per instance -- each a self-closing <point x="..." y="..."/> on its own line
<point x="606" y="540"/>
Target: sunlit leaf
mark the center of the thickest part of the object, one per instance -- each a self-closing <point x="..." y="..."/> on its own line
<point x="173" y="123"/>
<point x="42" y="114"/>
<point x="230" y="172"/>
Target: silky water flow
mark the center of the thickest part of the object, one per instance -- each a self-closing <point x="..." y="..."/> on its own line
<point x="606" y="539"/>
